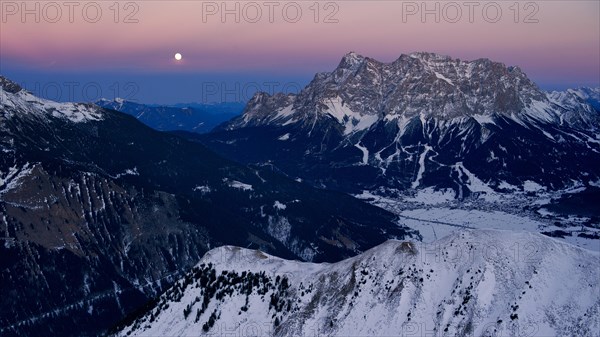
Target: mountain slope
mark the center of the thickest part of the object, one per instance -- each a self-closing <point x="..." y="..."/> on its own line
<point x="476" y="282"/>
<point x="424" y="120"/>
<point x="98" y="213"/>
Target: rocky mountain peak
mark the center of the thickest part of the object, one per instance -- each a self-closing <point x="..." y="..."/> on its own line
<point x="9" y="86"/>
<point x="427" y="56"/>
<point x="16" y="101"/>
<point x="351" y="60"/>
<point x="362" y="92"/>
<point x="387" y="117"/>
<point x="432" y="84"/>
<point x="261" y="109"/>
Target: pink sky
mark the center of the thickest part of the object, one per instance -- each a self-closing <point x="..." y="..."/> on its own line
<point x="563" y="46"/>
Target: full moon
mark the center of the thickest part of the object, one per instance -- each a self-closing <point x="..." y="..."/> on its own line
<point x="178" y="57"/>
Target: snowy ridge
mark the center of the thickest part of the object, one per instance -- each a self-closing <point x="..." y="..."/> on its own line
<point x="479" y="282"/>
<point x="579" y="107"/>
<point x="14" y="99"/>
<point x="362" y="91"/>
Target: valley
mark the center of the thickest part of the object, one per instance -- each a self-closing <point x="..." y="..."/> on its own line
<point x="437" y="214"/>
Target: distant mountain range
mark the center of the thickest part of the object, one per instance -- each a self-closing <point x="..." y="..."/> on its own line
<point x="424" y="120"/>
<point x="99" y="213"/>
<point x="192" y="117"/>
<point x="471" y="283"/>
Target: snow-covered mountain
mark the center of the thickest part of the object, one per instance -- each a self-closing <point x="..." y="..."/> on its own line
<point x="471" y="283"/>
<point x="362" y="91"/>
<point x="16" y="101"/>
<point x="99" y="213"/>
<point x="424" y="120"/>
<point x="580" y="107"/>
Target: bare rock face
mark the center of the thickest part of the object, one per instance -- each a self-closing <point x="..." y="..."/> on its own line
<point x="9" y="86"/>
<point x="422" y="120"/>
<point x="418" y="84"/>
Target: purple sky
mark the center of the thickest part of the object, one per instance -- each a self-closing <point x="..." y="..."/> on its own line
<point x="107" y="48"/>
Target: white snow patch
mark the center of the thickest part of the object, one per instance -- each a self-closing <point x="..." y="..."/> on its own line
<point x="422" y="158"/>
<point x="485" y="289"/>
<point x="544" y="212"/>
<point x="239" y="185"/>
<point x="284" y="113"/>
<point x="541" y="111"/>
<point x="483" y="119"/>
<point x="365" y="151"/>
<point x="12" y="179"/>
<point x="202" y="189"/>
<point x="278" y="205"/>
<point x="475" y="184"/>
<point x="532" y="186"/>
<point x="284" y="137"/>
<point x="128" y="172"/>
<point x="352" y="121"/>
<point x="442" y="77"/>
<point x="506" y="186"/>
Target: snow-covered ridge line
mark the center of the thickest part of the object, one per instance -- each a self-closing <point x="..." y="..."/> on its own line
<point x="362" y="91"/>
<point x="472" y="282"/>
<point x="14" y="99"/>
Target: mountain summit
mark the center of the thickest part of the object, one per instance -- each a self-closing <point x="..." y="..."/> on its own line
<point x="362" y="91"/>
<point x="422" y="120"/>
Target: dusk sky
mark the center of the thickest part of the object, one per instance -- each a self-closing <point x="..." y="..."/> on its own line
<point x="555" y="42"/>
